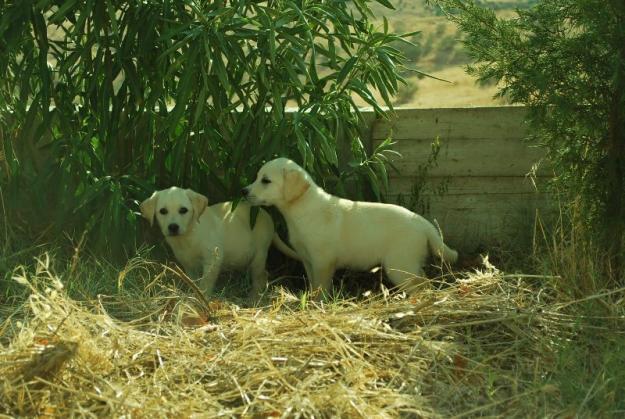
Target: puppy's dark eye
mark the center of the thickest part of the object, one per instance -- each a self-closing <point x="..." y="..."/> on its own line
<point x="163" y="211"/>
<point x="183" y="210"/>
<point x="265" y="181"/>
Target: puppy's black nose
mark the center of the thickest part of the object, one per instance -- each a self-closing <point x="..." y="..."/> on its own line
<point x="173" y="228"/>
<point x="244" y="192"/>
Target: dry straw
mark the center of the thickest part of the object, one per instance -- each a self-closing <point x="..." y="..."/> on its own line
<point x="480" y="346"/>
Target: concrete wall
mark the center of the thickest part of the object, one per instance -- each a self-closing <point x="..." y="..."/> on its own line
<point x="478" y="188"/>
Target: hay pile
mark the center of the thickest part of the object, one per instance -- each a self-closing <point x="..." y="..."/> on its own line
<point x="479" y="346"/>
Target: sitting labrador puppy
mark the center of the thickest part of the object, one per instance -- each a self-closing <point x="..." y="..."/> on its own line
<point x="206" y="240"/>
<point x="329" y="232"/>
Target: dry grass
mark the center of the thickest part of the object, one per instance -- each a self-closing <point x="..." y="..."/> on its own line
<point x="484" y="345"/>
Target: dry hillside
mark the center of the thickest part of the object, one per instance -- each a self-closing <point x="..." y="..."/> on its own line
<point x="439" y="52"/>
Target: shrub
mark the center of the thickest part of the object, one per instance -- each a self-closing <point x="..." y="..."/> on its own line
<point x="564" y="59"/>
<point x="103" y="101"/>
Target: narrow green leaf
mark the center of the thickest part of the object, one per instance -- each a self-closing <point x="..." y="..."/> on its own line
<point x="58" y="16"/>
<point x="347" y="67"/>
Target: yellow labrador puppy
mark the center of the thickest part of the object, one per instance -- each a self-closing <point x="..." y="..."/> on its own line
<point x="206" y="240"/>
<point x="329" y="232"/>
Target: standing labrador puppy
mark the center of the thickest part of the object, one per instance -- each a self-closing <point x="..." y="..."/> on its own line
<point x="329" y="232"/>
<point x="206" y="240"/>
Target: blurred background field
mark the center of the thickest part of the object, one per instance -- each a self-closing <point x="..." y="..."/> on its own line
<point x="438" y="51"/>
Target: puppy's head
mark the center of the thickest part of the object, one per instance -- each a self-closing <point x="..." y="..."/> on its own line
<point x="175" y="209"/>
<point x="280" y="182"/>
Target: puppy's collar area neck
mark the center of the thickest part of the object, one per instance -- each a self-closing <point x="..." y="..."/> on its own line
<point x="293" y="206"/>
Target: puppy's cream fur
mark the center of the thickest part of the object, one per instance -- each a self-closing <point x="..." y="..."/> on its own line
<point x="329" y="232"/>
<point x="206" y="240"/>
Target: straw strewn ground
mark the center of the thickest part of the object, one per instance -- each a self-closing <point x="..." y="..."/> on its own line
<point x="484" y="345"/>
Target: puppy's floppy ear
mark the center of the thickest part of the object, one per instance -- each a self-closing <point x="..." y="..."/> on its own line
<point x="148" y="208"/>
<point x="295" y="184"/>
<point x="198" y="201"/>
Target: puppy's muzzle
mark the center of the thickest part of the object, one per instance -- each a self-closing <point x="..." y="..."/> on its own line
<point x="249" y="197"/>
<point x="173" y="229"/>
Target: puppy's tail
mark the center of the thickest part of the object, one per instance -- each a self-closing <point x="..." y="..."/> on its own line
<point x="284" y="248"/>
<point x="439" y="248"/>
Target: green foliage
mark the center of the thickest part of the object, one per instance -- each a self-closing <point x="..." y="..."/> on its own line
<point x="564" y="59"/>
<point x="103" y="101"/>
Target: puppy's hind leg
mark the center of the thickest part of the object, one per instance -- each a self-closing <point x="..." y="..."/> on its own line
<point x="404" y="272"/>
